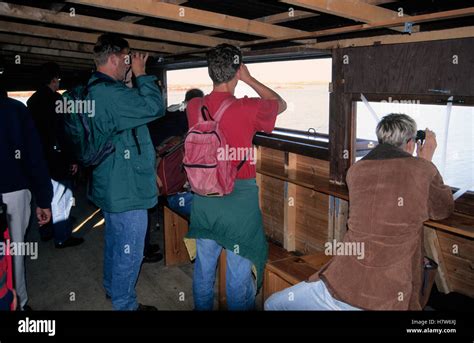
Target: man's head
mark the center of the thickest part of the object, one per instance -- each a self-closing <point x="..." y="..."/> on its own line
<point x="398" y="130"/>
<point x="50" y="75"/>
<point x="223" y="63"/>
<point x="111" y="56"/>
<point x="193" y="93"/>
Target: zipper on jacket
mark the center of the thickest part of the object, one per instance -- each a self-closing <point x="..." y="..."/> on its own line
<point x="200" y="165"/>
<point x="135" y="138"/>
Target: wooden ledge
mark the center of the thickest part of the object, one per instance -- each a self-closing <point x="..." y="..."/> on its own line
<point x="457" y="223"/>
<point x="317" y="183"/>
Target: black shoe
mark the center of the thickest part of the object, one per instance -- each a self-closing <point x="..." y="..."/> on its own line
<point x="46" y="238"/>
<point x="70" y="242"/>
<point x="27" y="308"/>
<point x="46" y="232"/>
<point x="152" y="258"/>
<point x="152" y="249"/>
<point x="146" y="308"/>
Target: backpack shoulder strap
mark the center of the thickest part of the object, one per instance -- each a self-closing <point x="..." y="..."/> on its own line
<point x="222" y="108"/>
<point x="96" y="82"/>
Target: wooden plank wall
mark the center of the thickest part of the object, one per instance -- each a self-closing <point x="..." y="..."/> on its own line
<point x="294" y="216"/>
<point x="272" y="193"/>
<point x="458" y="257"/>
<point x="413" y="68"/>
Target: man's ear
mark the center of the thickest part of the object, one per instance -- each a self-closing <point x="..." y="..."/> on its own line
<point x="113" y="59"/>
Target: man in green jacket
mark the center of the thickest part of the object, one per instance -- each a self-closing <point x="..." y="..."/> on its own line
<point x="124" y="185"/>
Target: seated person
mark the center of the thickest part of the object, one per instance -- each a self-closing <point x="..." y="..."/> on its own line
<point x="391" y="194"/>
<point x="174" y="122"/>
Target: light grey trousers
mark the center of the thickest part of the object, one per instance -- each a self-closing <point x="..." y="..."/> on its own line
<point x="18" y="216"/>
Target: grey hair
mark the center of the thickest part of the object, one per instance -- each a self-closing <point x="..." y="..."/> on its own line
<point x="396" y="129"/>
<point x="108" y="44"/>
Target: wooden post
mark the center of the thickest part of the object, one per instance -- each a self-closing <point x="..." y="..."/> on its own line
<point x="222" y="299"/>
<point x="433" y="251"/>
<point x="331" y="206"/>
<point x="259" y="176"/>
<point x="341" y="211"/>
<point x="289" y="215"/>
<point x="341" y="121"/>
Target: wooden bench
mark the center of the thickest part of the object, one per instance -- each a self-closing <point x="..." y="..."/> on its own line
<point x="283" y="268"/>
<point x="176" y="227"/>
<point x="289" y="271"/>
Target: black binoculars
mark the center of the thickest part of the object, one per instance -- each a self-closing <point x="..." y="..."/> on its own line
<point x="420" y="136"/>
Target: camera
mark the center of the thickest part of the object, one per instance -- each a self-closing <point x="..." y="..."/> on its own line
<point x="420" y="136"/>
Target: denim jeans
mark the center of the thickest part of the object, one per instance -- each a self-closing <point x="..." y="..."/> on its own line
<point x="306" y="296"/>
<point x="181" y="202"/>
<point x="123" y="254"/>
<point x="240" y="284"/>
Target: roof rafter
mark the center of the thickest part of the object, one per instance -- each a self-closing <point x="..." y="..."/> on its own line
<point x="107" y="25"/>
<point x="82" y="37"/>
<point x="193" y="16"/>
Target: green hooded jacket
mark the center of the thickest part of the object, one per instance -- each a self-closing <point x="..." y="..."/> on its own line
<point x="126" y="179"/>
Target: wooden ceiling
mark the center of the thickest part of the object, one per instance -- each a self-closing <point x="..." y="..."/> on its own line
<point x="33" y="32"/>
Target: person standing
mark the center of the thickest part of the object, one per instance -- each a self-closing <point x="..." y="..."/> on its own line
<point x="124" y="184"/>
<point x="23" y="168"/>
<point x="59" y="155"/>
<point x="232" y="222"/>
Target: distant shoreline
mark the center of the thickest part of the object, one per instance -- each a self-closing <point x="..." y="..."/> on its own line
<point x="285" y="85"/>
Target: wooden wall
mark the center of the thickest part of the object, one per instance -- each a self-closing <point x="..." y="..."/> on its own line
<point x="413" y="68"/>
<point x="425" y="69"/>
<point x="293" y="215"/>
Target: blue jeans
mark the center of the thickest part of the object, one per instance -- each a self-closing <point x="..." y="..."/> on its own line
<point x="306" y="296"/>
<point x="240" y="285"/>
<point x="123" y="254"/>
<point x="181" y="202"/>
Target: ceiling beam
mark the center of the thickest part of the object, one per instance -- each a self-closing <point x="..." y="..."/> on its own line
<point x="188" y="15"/>
<point x="350" y="9"/>
<point x="416" y="19"/>
<point x="46" y="43"/>
<point x="45" y="51"/>
<point x="358" y="10"/>
<point x="50" y="43"/>
<point x="378" y="2"/>
<point x="107" y="25"/>
<point x="272" y="19"/>
<point x="455" y="33"/>
<point x="11" y="56"/>
<point x="131" y="18"/>
<point x="83" y="37"/>
<point x="287" y="16"/>
<point x="134" y="19"/>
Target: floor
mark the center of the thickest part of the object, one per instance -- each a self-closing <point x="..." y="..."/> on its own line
<point x="71" y="278"/>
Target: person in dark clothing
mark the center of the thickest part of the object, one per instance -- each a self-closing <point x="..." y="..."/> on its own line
<point x="173" y="123"/>
<point x="23" y="168"/>
<point x="58" y="152"/>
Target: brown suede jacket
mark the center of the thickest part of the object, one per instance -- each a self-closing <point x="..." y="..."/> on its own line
<point x="391" y="194"/>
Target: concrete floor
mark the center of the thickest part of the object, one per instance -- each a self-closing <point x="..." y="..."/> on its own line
<point x="71" y="278"/>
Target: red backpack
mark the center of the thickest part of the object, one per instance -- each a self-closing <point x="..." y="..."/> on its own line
<point x="208" y="173"/>
<point x="171" y="176"/>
